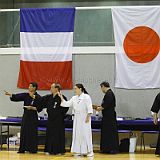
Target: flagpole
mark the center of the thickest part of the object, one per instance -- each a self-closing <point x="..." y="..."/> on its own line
<point x="87" y="8"/>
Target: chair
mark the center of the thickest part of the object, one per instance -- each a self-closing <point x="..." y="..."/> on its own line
<point x="126" y="132"/>
<point x="142" y="137"/>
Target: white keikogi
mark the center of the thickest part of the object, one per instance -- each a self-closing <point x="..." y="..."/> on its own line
<point x="82" y="133"/>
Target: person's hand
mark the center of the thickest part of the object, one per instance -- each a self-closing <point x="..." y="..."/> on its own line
<point x="87" y="119"/>
<point x="8" y="94"/>
<point x="99" y="108"/>
<point x="155" y="119"/>
<point x="27" y="107"/>
<point x="94" y="106"/>
<point x="59" y="94"/>
<point x="30" y="107"/>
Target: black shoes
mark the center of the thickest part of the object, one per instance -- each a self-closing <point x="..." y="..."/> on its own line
<point x="110" y="152"/>
<point x="21" y="152"/>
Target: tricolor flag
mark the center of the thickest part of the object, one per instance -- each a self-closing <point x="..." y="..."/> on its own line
<point x="46" y="39"/>
<point x="137" y="42"/>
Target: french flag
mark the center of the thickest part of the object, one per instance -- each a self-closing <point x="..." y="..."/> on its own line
<point x="46" y="38"/>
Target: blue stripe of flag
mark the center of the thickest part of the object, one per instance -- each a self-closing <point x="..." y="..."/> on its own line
<point x="47" y="19"/>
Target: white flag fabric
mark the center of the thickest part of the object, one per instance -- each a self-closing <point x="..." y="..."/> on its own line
<point x="137" y="42"/>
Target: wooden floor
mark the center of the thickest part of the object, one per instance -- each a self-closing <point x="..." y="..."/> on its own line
<point x="12" y="155"/>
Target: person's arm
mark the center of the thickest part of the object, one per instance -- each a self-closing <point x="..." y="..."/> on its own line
<point x="30" y="108"/>
<point x="64" y="110"/>
<point x="65" y="103"/>
<point x="156" y="104"/>
<point x="16" y="97"/>
<point x="41" y="102"/>
<point x="88" y="102"/>
<point x="108" y="101"/>
<point x="37" y="99"/>
<point x="155" y="109"/>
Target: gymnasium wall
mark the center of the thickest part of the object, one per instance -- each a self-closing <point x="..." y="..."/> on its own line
<point x="92" y="28"/>
<point x="89" y="69"/>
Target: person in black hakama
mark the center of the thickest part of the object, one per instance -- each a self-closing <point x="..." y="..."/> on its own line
<point x="109" y="142"/>
<point x="155" y="109"/>
<point x="55" y="133"/>
<point x="28" y="134"/>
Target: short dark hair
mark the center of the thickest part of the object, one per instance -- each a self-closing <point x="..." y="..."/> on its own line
<point x="58" y="86"/>
<point x="105" y="84"/>
<point x="34" y="84"/>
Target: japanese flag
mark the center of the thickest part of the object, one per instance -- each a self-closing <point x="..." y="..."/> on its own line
<point x="137" y="42"/>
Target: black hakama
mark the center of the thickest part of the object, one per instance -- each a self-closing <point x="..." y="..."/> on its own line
<point x="29" y="125"/>
<point x="55" y="133"/>
<point x="109" y="134"/>
<point x="155" y="108"/>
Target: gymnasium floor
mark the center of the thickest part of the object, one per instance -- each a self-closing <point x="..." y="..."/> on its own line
<point x="148" y="154"/>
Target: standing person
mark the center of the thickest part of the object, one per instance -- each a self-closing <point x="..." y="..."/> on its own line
<point x="155" y="109"/>
<point x="55" y="133"/>
<point x="109" y="133"/>
<point x="82" y="110"/>
<point x="29" y="133"/>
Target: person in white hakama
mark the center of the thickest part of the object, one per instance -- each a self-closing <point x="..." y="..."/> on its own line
<point x="82" y="132"/>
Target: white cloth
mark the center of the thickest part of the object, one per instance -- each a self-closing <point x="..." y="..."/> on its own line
<point x="82" y="132"/>
<point x="137" y="71"/>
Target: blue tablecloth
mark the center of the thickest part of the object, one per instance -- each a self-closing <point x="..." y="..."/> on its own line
<point x="142" y="124"/>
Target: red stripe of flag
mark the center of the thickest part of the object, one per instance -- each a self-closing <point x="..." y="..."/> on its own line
<point x="45" y="73"/>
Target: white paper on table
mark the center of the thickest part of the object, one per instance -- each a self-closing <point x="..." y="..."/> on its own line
<point x="1" y="117"/>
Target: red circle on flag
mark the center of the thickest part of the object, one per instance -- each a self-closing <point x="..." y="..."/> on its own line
<point x="141" y="44"/>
